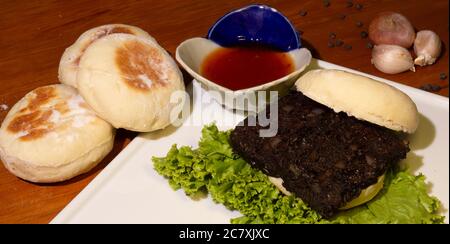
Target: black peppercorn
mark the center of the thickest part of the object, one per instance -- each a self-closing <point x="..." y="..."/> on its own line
<point x="364" y="34"/>
<point x="436" y="88"/>
<point x="339" y="43"/>
<point x="431" y="87"/>
<point x="426" y="87"/>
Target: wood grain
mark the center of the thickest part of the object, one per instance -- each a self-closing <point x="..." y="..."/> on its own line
<point x="35" y="34"/>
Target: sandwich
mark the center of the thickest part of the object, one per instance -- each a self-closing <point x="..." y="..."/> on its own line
<point x="334" y="159"/>
<point x="338" y="134"/>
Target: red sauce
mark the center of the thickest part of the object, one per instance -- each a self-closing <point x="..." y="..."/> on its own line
<point x="241" y="68"/>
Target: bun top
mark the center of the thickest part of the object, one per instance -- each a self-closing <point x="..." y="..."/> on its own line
<point x="361" y="97"/>
<point x="52" y="119"/>
<point x="129" y="81"/>
<point x="70" y="60"/>
<point x="92" y="35"/>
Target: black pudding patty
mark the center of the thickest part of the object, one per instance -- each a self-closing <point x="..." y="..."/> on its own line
<point x="323" y="157"/>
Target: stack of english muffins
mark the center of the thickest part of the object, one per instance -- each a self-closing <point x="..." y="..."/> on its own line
<point x="113" y="76"/>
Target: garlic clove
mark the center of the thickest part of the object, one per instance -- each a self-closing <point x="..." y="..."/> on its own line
<point x="427" y="47"/>
<point x="393" y="29"/>
<point x="392" y="59"/>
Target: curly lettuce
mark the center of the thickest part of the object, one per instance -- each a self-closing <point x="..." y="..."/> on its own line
<point x="213" y="168"/>
<point x="403" y="200"/>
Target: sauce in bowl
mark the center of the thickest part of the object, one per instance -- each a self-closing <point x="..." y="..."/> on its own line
<point x="245" y="67"/>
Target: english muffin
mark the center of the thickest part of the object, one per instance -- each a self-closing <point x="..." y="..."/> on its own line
<point x="52" y="135"/>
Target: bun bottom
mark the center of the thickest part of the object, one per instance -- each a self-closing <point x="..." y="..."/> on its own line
<point x="366" y="195"/>
<point x="42" y="174"/>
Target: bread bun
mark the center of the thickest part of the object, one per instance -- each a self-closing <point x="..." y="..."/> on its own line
<point x="361" y="97"/>
<point x="51" y="135"/>
<point x="70" y="59"/>
<point x="128" y="81"/>
<point x="366" y="195"/>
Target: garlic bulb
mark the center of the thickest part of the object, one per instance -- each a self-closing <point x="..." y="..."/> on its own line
<point x="427" y="47"/>
<point x="392" y="59"/>
<point x="393" y="29"/>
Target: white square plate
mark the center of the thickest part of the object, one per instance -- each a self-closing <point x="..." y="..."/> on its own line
<point x="129" y="190"/>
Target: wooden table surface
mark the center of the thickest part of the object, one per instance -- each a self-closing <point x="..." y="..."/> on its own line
<point x="35" y="34"/>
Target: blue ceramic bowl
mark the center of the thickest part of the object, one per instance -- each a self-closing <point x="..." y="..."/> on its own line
<point x="255" y="24"/>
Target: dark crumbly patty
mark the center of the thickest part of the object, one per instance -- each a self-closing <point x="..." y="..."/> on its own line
<point x="325" y="158"/>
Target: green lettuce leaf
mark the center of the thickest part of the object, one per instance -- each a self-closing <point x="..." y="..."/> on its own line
<point x="403" y="200"/>
<point x="213" y="168"/>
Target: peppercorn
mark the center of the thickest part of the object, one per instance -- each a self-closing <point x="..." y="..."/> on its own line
<point x="364" y="34"/>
